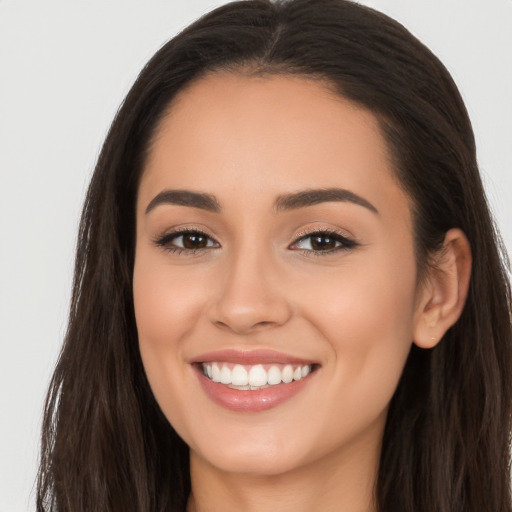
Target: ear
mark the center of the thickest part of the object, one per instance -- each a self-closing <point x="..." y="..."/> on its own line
<point x="444" y="292"/>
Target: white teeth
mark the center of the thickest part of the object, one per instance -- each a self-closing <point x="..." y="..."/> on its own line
<point x="274" y="375"/>
<point x="254" y="377"/>
<point x="225" y="375"/>
<point x="239" y="376"/>
<point x="257" y="376"/>
<point x="287" y="374"/>
<point x="215" y="372"/>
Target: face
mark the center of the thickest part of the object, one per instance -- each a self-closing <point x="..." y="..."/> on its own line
<point x="275" y="255"/>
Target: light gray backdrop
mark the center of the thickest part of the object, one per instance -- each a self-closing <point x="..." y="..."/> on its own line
<point x="65" y="65"/>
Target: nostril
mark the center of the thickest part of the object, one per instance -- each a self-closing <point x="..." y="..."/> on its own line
<point x="263" y="324"/>
<point x="240" y="327"/>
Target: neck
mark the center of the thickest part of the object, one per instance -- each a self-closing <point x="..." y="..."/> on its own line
<point x="341" y="481"/>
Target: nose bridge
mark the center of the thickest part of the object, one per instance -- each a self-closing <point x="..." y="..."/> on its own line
<point x="250" y="294"/>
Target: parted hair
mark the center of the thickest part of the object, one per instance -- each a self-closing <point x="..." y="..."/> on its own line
<point x="107" y="447"/>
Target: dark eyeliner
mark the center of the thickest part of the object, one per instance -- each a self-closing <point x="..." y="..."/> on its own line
<point x="346" y="243"/>
<point x="164" y="241"/>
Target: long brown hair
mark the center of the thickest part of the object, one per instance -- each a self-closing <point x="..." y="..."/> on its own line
<point x="106" y="446"/>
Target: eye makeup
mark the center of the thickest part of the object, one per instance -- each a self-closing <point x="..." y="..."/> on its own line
<point x="191" y="241"/>
<point x="186" y="240"/>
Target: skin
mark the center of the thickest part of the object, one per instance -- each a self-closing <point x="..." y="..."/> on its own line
<point x="259" y="283"/>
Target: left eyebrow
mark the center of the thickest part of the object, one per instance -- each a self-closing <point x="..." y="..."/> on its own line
<point x="312" y="197"/>
<point x="185" y="198"/>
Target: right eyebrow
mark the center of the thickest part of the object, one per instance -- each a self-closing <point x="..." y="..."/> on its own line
<point x="185" y="198"/>
<point x="310" y="197"/>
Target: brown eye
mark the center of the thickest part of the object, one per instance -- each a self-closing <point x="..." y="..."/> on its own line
<point x="194" y="241"/>
<point x="324" y="242"/>
<point x="186" y="241"/>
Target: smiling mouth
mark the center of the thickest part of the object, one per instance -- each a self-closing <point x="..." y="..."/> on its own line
<point x="254" y="377"/>
<point x="253" y="381"/>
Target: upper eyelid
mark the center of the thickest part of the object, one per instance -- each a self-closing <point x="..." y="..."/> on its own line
<point x="328" y="231"/>
<point x="176" y="232"/>
<point x="297" y="236"/>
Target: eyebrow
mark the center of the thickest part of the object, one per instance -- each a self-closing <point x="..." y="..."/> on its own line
<point x="285" y="202"/>
<point x="185" y="198"/>
<point x="311" y="197"/>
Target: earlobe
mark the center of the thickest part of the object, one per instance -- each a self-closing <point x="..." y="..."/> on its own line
<point x="444" y="294"/>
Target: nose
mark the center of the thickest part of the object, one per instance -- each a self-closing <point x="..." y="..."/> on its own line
<point x="250" y="297"/>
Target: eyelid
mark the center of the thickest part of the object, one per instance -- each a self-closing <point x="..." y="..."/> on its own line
<point x="347" y="242"/>
<point x="327" y="230"/>
<point x="164" y="240"/>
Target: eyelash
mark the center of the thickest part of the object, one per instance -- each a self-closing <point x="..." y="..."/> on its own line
<point x="346" y="244"/>
<point x="165" y="241"/>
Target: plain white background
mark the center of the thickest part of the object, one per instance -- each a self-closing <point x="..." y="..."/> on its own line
<point x="64" y="68"/>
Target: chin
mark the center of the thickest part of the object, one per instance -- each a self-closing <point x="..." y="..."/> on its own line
<point x="255" y="460"/>
<point x="267" y="449"/>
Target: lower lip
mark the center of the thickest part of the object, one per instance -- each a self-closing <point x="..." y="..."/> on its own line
<point x="251" y="400"/>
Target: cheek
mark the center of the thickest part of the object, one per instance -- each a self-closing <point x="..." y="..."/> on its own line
<point x="366" y="314"/>
<point x="166" y="309"/>
<point x="369" y="305"/>
<point x="167" y="302"/>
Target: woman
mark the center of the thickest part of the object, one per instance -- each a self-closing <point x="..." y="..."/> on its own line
<point x="288" y="288"/>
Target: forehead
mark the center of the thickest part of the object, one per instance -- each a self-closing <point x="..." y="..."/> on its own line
<point x="271" y="133"/>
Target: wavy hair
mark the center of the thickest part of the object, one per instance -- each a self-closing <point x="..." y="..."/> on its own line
<point x="106" y="446"/>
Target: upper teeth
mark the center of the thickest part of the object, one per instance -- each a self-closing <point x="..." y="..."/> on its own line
<point x="256" y="376"/>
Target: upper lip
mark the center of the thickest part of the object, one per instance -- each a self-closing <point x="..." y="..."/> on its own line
<point x="250" y="357"/>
